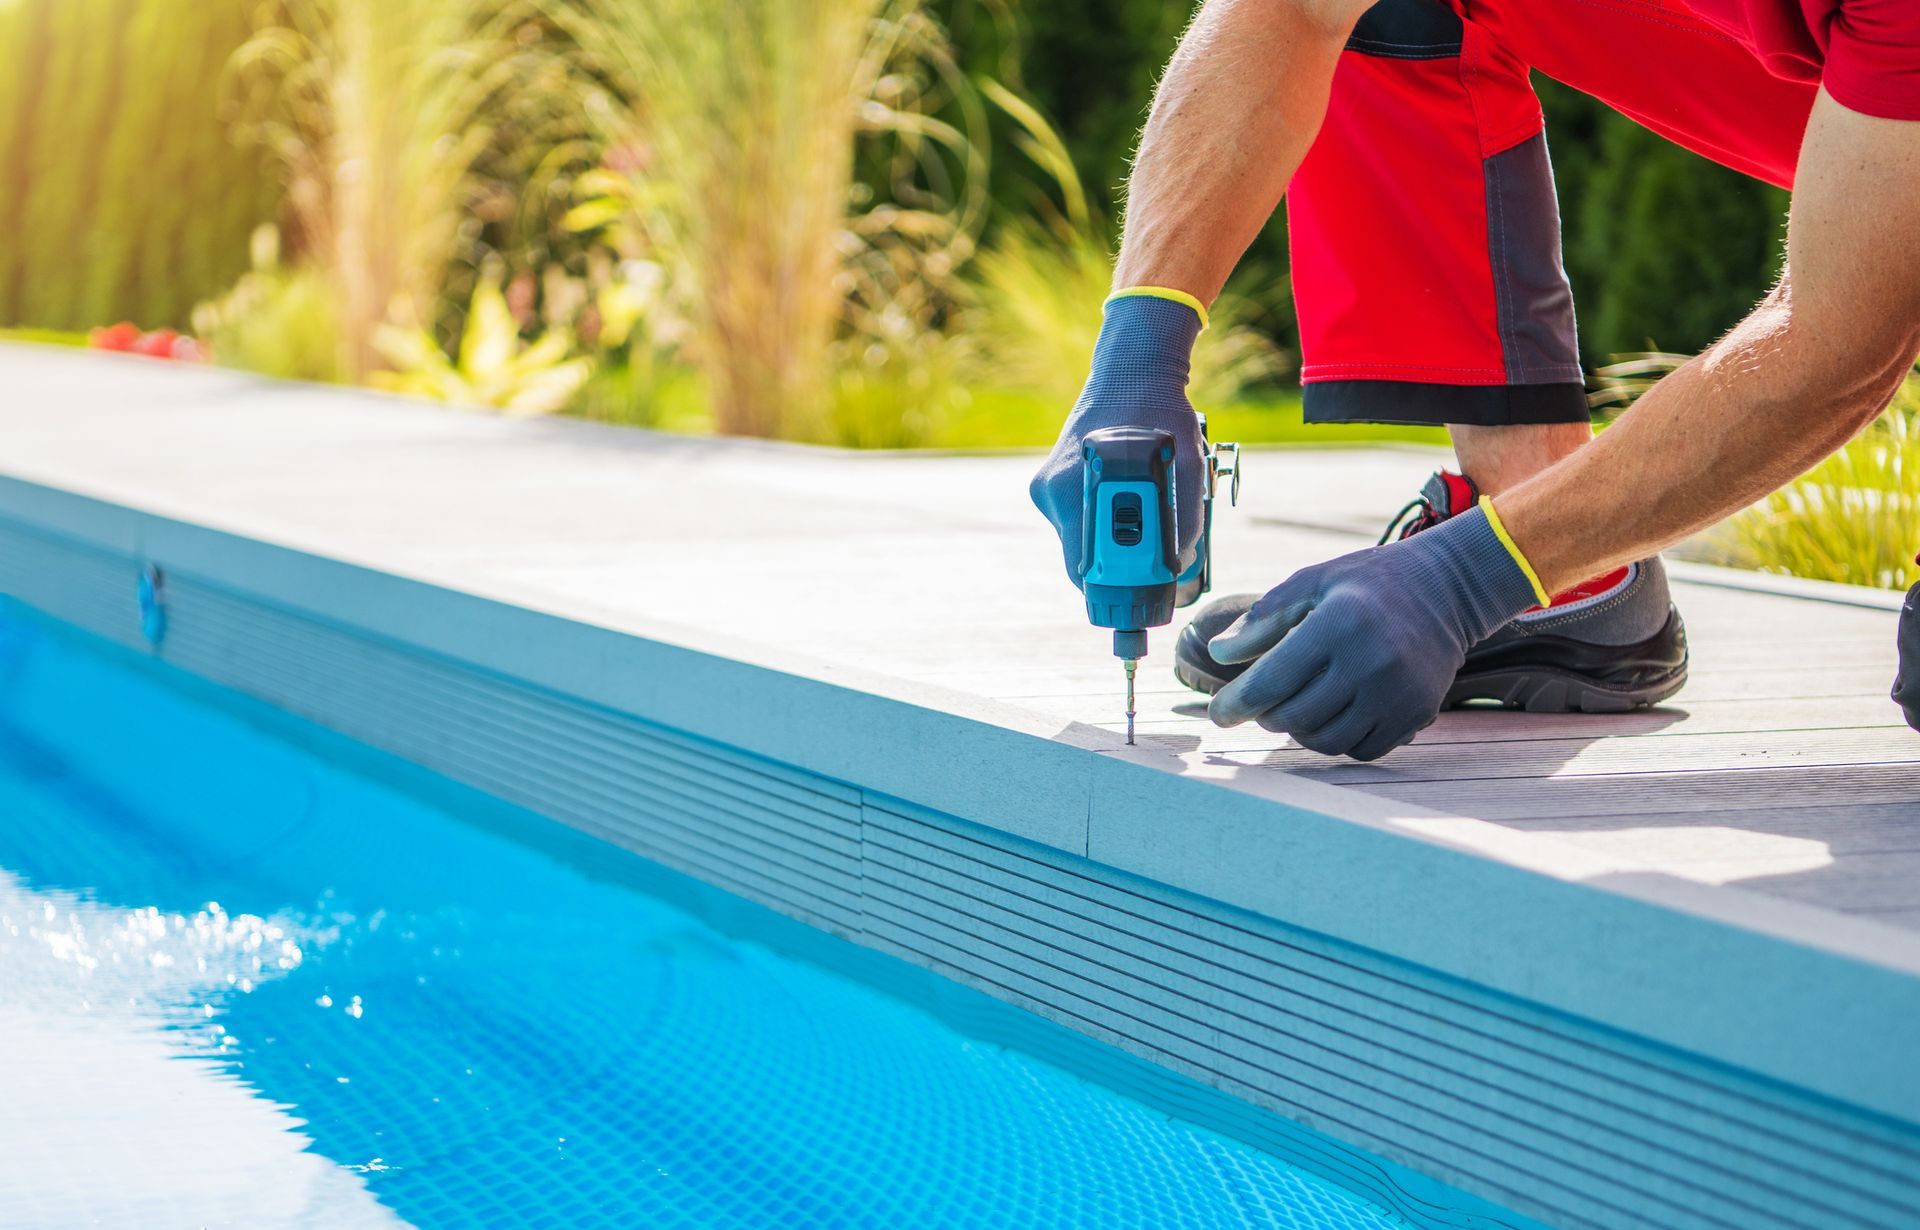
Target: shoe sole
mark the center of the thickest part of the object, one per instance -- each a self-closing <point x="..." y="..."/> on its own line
<point x="1545" y="690"/>
<point x="1623" y="678"/>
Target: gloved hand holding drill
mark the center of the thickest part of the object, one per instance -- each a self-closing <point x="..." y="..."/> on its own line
<point x="1139" y="379"/>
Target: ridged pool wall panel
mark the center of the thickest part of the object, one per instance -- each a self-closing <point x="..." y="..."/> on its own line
<point x="1515" y="1103"/>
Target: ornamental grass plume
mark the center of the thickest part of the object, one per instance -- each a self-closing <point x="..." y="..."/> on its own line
<point x="810" y="173"/>
<point x="121" y="195"/>
<point x="378" y="112"/>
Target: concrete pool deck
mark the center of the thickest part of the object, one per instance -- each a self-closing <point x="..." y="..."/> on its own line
<point x="1603" y="970"/>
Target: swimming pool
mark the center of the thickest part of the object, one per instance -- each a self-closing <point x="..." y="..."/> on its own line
<point x="241" y="983"/>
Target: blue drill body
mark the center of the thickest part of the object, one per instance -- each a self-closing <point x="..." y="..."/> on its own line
<point x="1128" y="562"/>
<point x="1129" y="556"/>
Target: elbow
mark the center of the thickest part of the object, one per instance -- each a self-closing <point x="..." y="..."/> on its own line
<point x="1856" y="382"/>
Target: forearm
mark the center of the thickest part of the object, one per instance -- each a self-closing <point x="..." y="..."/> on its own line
<point x="1717" y="434"/>
<point x="1240" y="105"/>
<point x="1811" y="366"/>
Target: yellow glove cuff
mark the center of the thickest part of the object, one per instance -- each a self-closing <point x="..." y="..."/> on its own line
<point x="1506" y="540"/>
<point x="1162" y="292"/>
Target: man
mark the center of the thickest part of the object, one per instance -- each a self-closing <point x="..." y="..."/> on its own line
<point x="1427" y="274"/>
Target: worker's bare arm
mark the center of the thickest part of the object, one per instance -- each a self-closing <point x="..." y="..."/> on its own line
<point x="1241" y="103"/>
<point x="1815" y="362"/>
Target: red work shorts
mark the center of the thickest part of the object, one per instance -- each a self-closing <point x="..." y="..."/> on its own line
<point x="1424" y="230"/>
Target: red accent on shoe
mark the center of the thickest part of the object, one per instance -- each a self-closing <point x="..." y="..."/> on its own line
<point x="1586" y="589"/>
<point x="1461" y="493"/>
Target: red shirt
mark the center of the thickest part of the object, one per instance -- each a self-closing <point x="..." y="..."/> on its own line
<point x="1866" y="52"/>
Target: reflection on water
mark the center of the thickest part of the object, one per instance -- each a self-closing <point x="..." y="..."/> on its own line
<point x="119" y="1109"/>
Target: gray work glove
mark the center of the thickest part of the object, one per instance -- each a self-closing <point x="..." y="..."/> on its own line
<point x="1139" y="379"/>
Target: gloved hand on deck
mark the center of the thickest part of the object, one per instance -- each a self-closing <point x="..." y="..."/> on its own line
<point x="1356" y="654"/>
<point x="1139" y="379"/>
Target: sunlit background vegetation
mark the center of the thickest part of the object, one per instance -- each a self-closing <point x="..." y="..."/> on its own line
<point x="875" y="223"/>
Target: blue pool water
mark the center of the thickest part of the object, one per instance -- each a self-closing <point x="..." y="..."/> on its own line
<point x="242" y="985"/>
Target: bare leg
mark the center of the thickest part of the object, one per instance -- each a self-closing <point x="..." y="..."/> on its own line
<point x="1497" y="458"/>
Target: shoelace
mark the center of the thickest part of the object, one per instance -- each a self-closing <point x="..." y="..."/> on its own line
<point x="1428" y="518"/>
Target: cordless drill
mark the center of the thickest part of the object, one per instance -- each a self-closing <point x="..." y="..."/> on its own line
<point x="1129" y="555"/>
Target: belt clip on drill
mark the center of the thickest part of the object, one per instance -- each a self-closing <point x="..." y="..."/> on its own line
<point x="1129" y="563"/>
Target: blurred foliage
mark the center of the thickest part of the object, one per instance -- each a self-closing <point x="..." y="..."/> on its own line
<point x="492" y="367"/>
<point x="857" y="221"/>
<point x="1038" y="313"/>
<point x="44" y="337"/>
<point x="1089" y="66"/>
<point x="743" y="128"/>
<point x="379" y="113"/>
<point x="275" y="320"/>
<point x="121" y="196"/>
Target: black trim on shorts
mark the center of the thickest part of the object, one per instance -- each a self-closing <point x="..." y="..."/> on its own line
<point x="1411" y="403"/>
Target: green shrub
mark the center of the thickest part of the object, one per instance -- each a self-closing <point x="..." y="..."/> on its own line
<point x="493" y="367"/>
<point x="377" y="113"/>
<point x="811" y="174"/>
<point x="275" y="321"/>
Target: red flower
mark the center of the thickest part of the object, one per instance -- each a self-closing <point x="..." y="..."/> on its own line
<point x="122" y="336"/>
<point x="159" y="344"/>
<point x="156" y="345"/>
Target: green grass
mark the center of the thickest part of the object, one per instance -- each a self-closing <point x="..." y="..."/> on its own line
<point x="997" y="419"/>
<point x="44" y="337"/>
<point x="1006" y="419"/>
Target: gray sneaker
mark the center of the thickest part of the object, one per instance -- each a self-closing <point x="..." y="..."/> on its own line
<point x="1613" y="644"/>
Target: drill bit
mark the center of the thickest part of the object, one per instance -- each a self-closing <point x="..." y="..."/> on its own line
<point x="1131" y="664"/>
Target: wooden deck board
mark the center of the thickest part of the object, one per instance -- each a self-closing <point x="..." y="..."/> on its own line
<point x="1712" y="795"/>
